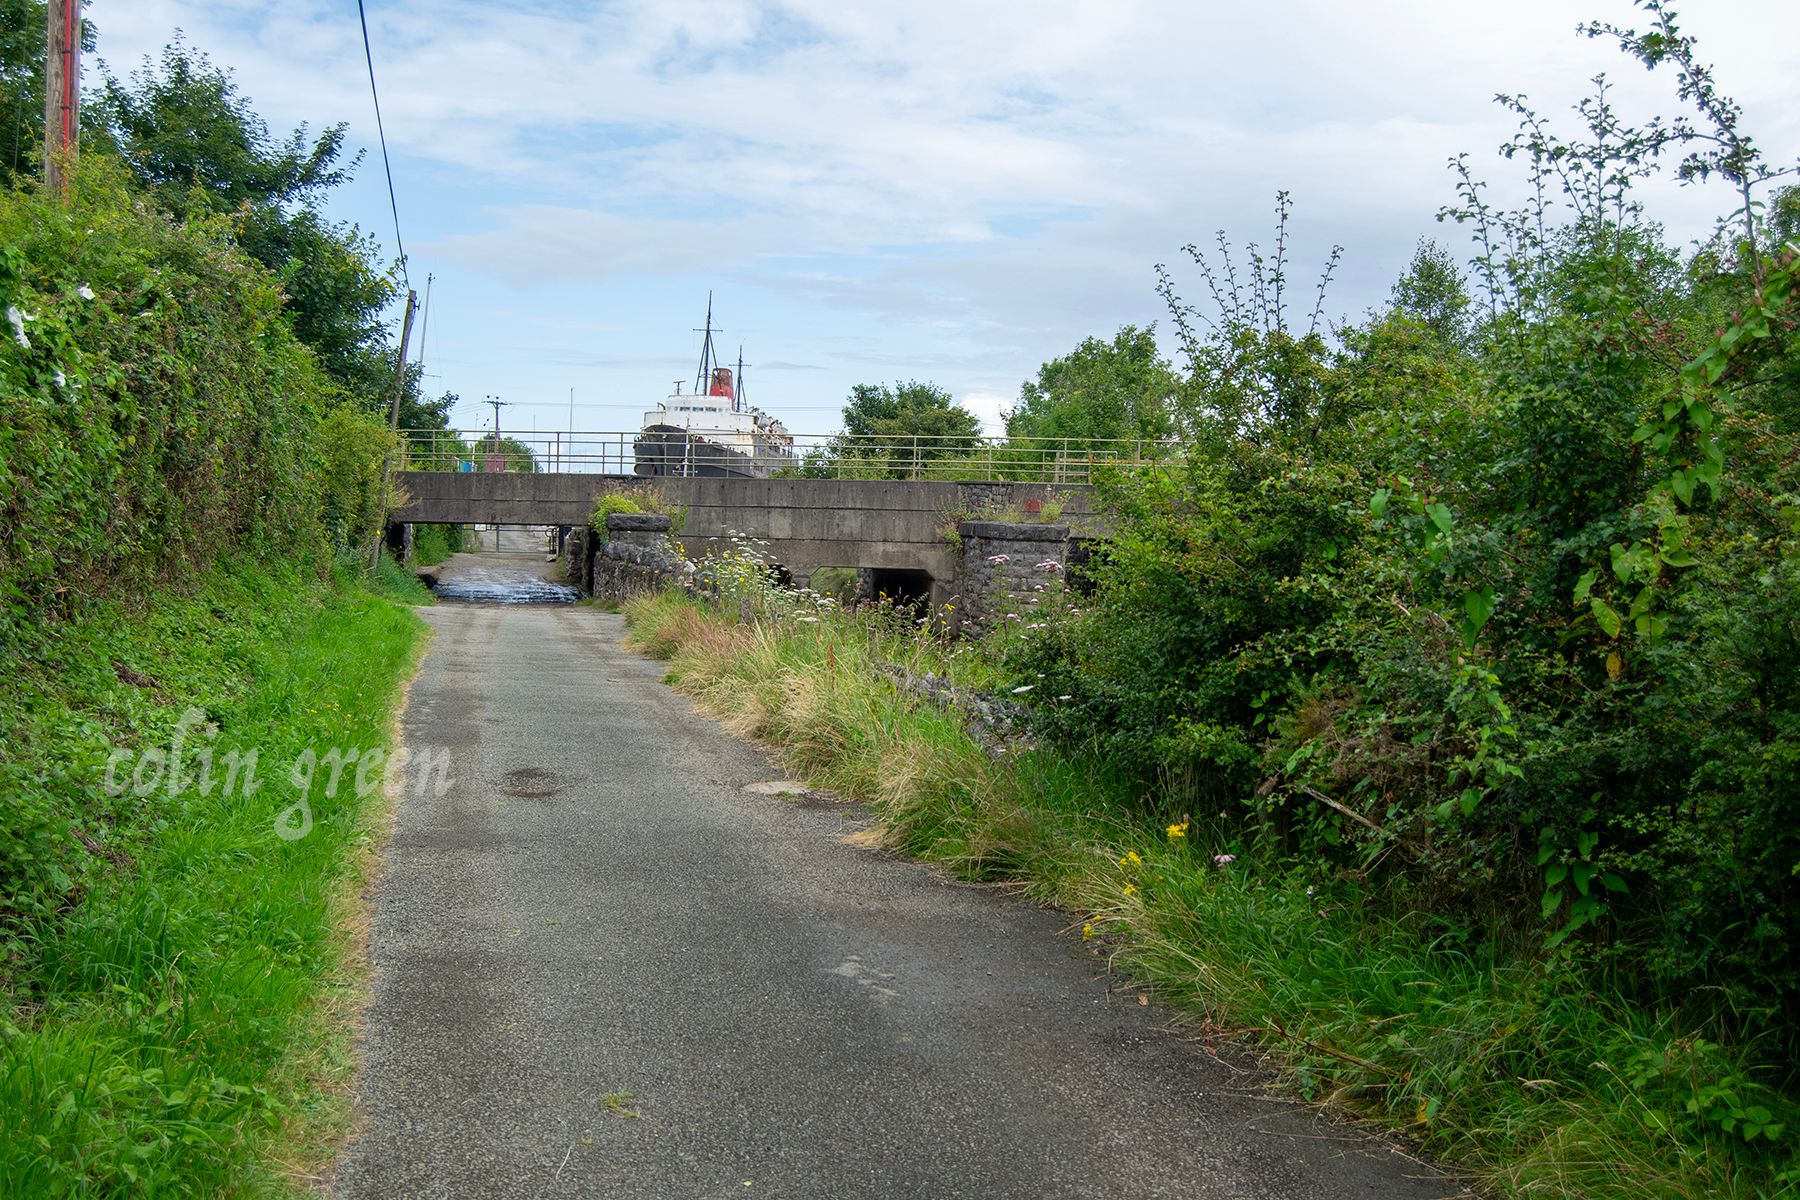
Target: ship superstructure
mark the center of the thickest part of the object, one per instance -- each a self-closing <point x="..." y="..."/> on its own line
<point x="712" y="431"/>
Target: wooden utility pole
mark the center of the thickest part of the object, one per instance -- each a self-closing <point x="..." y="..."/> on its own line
<point x="62" y="92"/>
<point x="412" y="304"/>
<point x="387" y="462"/>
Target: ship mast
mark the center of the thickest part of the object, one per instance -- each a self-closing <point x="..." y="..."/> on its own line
<point x="703" y="381"/>
<point x="737" y="390"/>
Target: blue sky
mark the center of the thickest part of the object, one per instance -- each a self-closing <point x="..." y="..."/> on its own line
<point x="952" y="192"/>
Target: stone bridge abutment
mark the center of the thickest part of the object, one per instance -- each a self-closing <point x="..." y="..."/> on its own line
<point x="957" y="543"/>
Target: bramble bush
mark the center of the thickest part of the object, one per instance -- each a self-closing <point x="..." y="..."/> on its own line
<point x="1491" y="603"/>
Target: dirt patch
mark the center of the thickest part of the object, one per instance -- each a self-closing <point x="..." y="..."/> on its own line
<point x="532" y="783"/>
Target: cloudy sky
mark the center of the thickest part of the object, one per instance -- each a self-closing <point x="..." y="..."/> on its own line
<point x="952" y="192"/>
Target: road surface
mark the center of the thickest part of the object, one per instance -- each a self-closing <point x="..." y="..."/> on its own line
<point x="605" y="968"/>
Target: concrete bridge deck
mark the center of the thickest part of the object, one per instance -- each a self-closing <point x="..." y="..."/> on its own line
<point x="882" y="524"/>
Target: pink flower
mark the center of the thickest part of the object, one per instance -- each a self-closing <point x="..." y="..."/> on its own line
<point x="1220" y="860"/>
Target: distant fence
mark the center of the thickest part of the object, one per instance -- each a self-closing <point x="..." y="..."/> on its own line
<point x="814" y="456"/>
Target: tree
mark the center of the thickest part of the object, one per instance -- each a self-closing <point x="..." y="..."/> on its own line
<point x="188" y="135"/>
<point x="193" y="141"/>
<point x="897" y="432"/>
<point x="518" y="456"/>
<point x="21" y="86"/>
<point x="1101" y="391"/>
<point x="1434" y="294"/>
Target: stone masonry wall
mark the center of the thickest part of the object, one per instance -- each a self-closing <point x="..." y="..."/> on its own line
<point x="1004" y="569"/>
<point x="637" y="558"/>
<point x="578" y="559"/>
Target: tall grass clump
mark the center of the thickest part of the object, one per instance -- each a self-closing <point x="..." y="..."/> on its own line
<point x="175" y="1019"/>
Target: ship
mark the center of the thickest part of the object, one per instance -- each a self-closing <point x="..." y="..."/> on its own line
<point x="712" y="431"/>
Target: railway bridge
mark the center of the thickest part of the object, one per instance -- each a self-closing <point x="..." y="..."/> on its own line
<point x="903" y="536"/>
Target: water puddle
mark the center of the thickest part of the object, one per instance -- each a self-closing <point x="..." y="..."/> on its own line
<point x="485" y="585"/>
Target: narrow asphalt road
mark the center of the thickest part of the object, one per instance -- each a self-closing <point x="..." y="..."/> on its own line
<point x="604" y="968"/>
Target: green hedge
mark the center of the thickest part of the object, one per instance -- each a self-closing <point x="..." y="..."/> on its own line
<point x="160" y="413"/>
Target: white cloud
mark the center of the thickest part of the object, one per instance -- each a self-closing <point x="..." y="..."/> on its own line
<point x="931" y="187"/>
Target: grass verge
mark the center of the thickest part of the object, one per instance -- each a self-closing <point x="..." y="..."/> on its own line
<point x="1531" y="1074"/>
<point x="432" y="544"/>
<point x="175" y="1019"/>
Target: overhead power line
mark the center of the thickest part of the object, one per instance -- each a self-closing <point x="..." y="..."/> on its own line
<point x="393" y="204"/>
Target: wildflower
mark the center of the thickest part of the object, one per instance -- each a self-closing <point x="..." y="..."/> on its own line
<point x="85" y="292"/>
<point x="807" y="620"/>
<point x="17" y="318"/>
<point x="1130" y="889"/>
<point x="1020" y="691"/>
<point x="1178" y="831"/>
<point x="1087" y="930"/>
<point x="1051" y="566"/>
<point x="1220" y="860"/>
<point x="60" y="378"/>
<point x="995" y="560"/>
<point x="1131" y="859"/>
<point x="1070" y="697"/>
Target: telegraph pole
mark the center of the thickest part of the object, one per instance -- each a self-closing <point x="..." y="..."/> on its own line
<point x="62" y="92"/>
<point x="424" y="328"/>
<point x="387" y="461"/>
<point x="498" y="404"/>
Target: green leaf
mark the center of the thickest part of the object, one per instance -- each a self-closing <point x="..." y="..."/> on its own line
<point x="1621" y="562"/>
<point x="1683" y="484"/>
<point x="1679" y="557"/>
<point x="1555" y="874"/>
<point x="1552" y="901"/>
<point x="1440" y="516"/>
<point x="1478" y="606"/>
<point x="1379" y="501"/>
<point x="1606" y="617"/>
<point x="1585" y="585"/>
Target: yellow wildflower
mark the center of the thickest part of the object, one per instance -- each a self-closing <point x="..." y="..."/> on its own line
<point x="1178" y="831"/>
<point x="1131" y="859"/>
<point x="1130" y="889"/>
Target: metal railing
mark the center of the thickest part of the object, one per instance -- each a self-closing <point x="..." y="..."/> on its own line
<point x="812" y="456"/>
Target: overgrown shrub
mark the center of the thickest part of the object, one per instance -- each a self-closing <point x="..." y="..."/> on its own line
<point x="159" y="412"/>
<point x="160" y="419"/>
<point x="1492" y="603"/>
